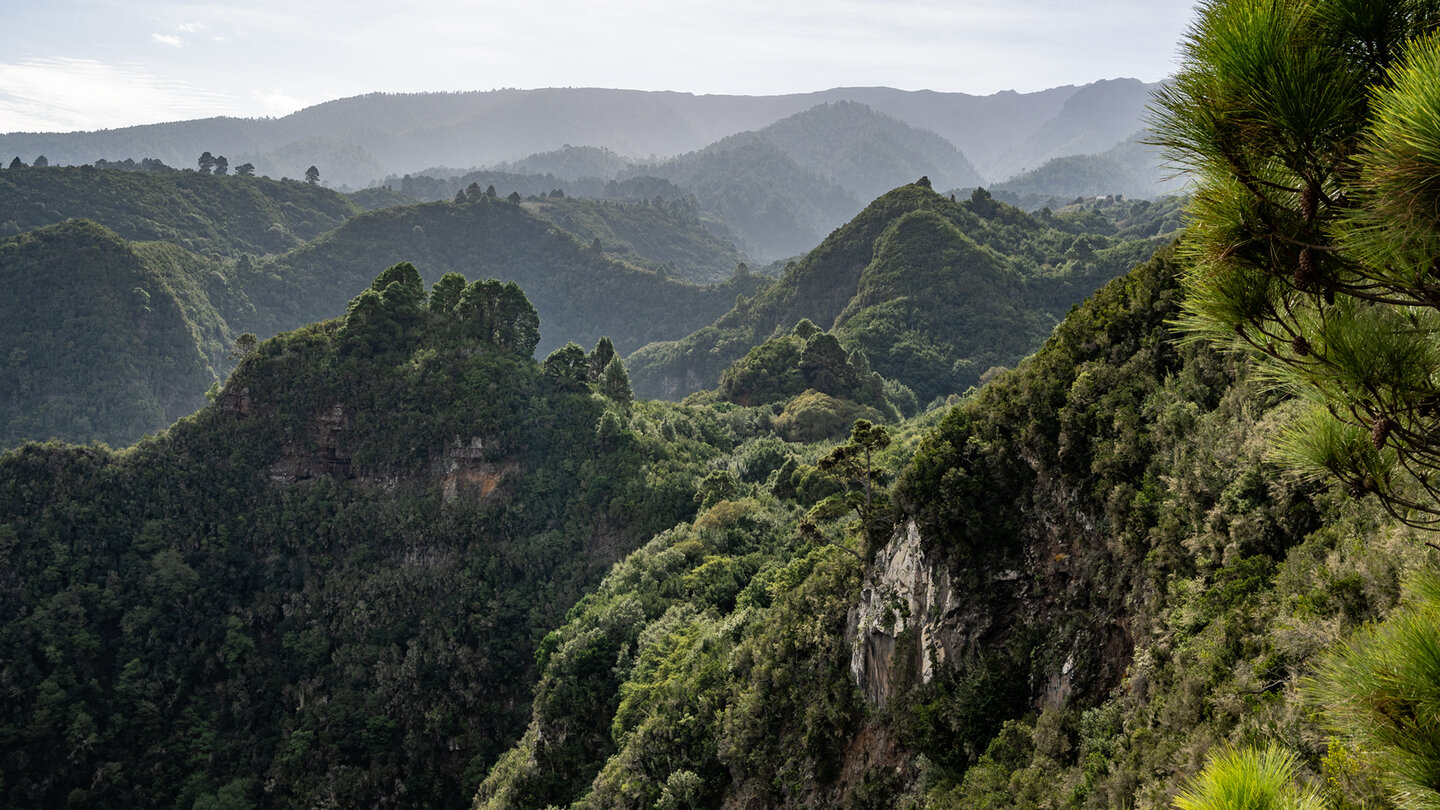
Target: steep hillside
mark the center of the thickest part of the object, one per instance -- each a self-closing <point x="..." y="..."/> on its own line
<point x="327" y="586"/>
<point x="1094" y="119"/>
<point x="665" y="236"/>
<point x="1007" y="279"/>
<point x="580" y="293"/>
<point x="777" y="206"/>
<point x="1131" y="168"/>
<point x="779" y="189"/>
<point x="868" y="153"/>
<point x="1089" y="575"/>
<point x="104" y="341"/>
<point x="203" y="213"/>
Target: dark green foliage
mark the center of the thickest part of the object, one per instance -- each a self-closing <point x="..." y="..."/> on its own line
<point x="568" y="366"/>
<point x="693" y="671"/>
<point x="310" y="590"/>
<point x="1173" y="518"/>
<point x="203" y="213"/>
<point x="600" y="357"/>
<point x="446" y="293"/>
<point x="101" y="342"/>
<point x="500" y="314"/>
<point x="579" y="295"/>
<point x="856" y="464"/>
<point x="615" y="382"/>
<point x="932" y="291"/>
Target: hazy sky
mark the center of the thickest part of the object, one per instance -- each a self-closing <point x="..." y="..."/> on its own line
<point x="91" y="64"/>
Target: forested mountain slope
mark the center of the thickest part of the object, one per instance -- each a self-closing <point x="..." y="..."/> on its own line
<point x="104" y="340"/>
<point x="866" y="152"/>
<point x="1131" y="168"/>
<point x="778" y="190"/>
<point x="108" y="339"/>
<point x="580" y="293"/>
<point x="935" y="292"/>
<point x="778" y="206"/>
<point x="1093" y="120"/>
<point x="203" y="213"/>
<point x="1085" y="576"/>
<point x="1061" y="591"/>
<point x="327" y="586"/>
<point x="667" y="235"/>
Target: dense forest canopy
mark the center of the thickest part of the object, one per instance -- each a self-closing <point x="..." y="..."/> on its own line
<point x="1085" y="502"/>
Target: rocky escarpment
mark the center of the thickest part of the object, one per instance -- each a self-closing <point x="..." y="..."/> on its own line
<point x="924" y="614"/>
<point x="465" y="470"/>
<point x="909" y="615"/>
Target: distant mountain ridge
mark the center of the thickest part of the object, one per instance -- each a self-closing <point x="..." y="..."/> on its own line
<point x="356" y="140"/>
<point x="936" y="292"/>
<point x="129" y="289"/>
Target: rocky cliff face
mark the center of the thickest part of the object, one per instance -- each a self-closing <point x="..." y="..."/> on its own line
<point x="904" y="591"/>
<point x="922" y="615"/>
<point x="463" y="470"/>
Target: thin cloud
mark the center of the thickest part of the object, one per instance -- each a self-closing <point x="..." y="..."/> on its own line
<point x="56" y="95"/>
<point x="168" y="39"/>
<point x="276" y="102"/>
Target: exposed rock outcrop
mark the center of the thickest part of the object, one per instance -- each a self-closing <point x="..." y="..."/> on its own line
<point x="464" y="470"/>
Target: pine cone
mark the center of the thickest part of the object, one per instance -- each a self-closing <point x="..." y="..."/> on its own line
<point x="1304" y="269"/>
<point x="1379" y="432"/>
<point x="1300" y="345"/>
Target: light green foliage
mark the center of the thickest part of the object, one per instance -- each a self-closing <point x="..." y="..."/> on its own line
<point x="807" y="359"/>
<point x="633" y="683"/>
<point x="813" y="416"/>
<point x="1311" y="129"/>
<point x="1227" y="563"/>
<point x="726" y="669"/>
<point x="1248" y="779"/>
<point x="1379" y="689"/>
<point x="856" y="462"/>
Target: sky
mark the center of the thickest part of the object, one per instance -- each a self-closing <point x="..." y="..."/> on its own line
<point x="97" y="64"/>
